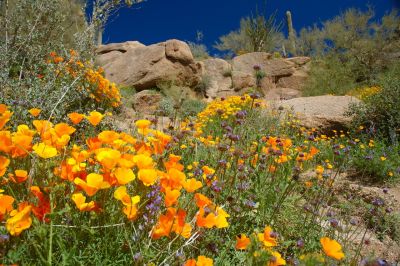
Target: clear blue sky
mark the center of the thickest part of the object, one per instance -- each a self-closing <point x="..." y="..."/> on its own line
<point x="158" y="20"/>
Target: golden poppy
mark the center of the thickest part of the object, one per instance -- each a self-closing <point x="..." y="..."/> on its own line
<point x="267" y="238"/>
<point x="94" y="118"/>
<point x="44" y="151"/>
<point x="93" y="183"/>
<point x="242" y="242"/>
<point x="4" y="162"/>
<point x="148" y="176"/>
<point x="332" y="248"/>
<point x="75" y="118"/>
<point x="19" y="221"/>
<point x="35" y="111"/>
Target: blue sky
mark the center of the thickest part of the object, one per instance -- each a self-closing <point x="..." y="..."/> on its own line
<point x="158" y="20"/>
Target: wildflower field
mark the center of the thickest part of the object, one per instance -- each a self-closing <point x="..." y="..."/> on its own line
<point x="233" y="181"/>
<point x="238" y="183"/>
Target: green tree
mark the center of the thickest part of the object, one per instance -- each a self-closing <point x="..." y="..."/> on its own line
<point x="256" y="34"/>
<point x="354" y="42"/>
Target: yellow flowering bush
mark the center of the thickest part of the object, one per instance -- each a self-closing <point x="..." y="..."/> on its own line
<point x="365" y="92"/>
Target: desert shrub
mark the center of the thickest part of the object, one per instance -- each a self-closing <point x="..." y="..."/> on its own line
<point x="203" y="85"/>
<point x="351" y="50"/>
<point x="46" y="59"/>
<point x="191" y="107"/>
<point x="328" y="76"/>
<point x="257" y="33"/>
<point x="364" y="92"/>
<point x="198" y="50"/>
<point x="165" y="107"/>
<point x="381" y="112"/>
<point x="375" y="161"/>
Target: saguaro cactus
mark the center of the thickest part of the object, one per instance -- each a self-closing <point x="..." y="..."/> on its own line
<point x="292" y="36"/>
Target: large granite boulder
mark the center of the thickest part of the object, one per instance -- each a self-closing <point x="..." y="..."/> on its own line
<point x="325" y="112"/>
<point x="279" y="94"/>
<point x="278" y="72"/>
<point x="297" y="80"/>
<point x="143" y="67"/>
<point x="217" y="74"/>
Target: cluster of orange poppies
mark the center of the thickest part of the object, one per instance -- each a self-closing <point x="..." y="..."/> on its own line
<point x="94" y="82"/>
<point x="109" y="160"/>
<point x="115" y="162"/>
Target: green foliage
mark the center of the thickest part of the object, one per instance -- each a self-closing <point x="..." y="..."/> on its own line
<point x="165" y="107"/>
<point x="329" y="76"/>
<point x="191" y="107"/>
<point x="257" y="33"/>
<point x="199" y="51"/>
<point x="203" y="85"/>
<point x="376" y="161"/>
<point x="353" y="46"/>
<point x="381" y="112"/>
<point x="29" y="75"/>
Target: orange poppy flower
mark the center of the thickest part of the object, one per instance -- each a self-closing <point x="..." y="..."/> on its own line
<point x="143" y="161"/>
<point x="20" y="220"/>
<point x="173" y="162"/>
<point x="148" y="176"/>
<point x="94" y="118"/>
<point x="21" y="176"/>
<point x="143" y="126"/>
<point x="80" y="201"/>
<point x="242" y="242"/>
<point x="172" y="221"/>
<point x="202" y="201"/>
<point x="130" y="203"/>
<point x="75" y="118"/>
<point x="4" y="115"/>
<point x="43" y="206"/>
<point x="171" y="196"/>
<point x="276" y="259"/>
<point x="62" y="129"/>
<point x="201" y="261"/>
<point x="124" y="175"/>
<point x="4" y="162"/>
<point x="216" y="218"/>
<point x="108" y="157"/>
<point x="45" y="151"/>
<point x="267" y="238"/>
<point x="108" y="136"/>
<point x="5" y="205"/>
<point x="191" y="185"/>
<point x="22" y="142"/>
<point x="34" y="111"/>
<point x="42" y="126"/>
<point x="5" y="141"/>
<point x="332" y="248"/>
<point x="94" y="182"/>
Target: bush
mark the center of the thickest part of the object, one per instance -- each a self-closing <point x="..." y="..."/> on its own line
<point x="165" y="107"/>
<point x="328" y="76"/>
<point x="256" y="33"/>
<point x="203" y="85"/>
<point x="46" y="58"/>
<point x="381" y="112"/>
<point x="198" y="50"/>
<point x="350" y="50"/>
<point x="191" y="108"/>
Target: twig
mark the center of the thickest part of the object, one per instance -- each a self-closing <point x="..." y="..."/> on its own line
<point x="91" y="227"/>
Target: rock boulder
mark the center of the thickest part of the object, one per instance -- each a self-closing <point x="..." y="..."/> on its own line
<point x="140" y="66"/>
<point x="217" y="74"/>
<point x="325" y="112"/>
